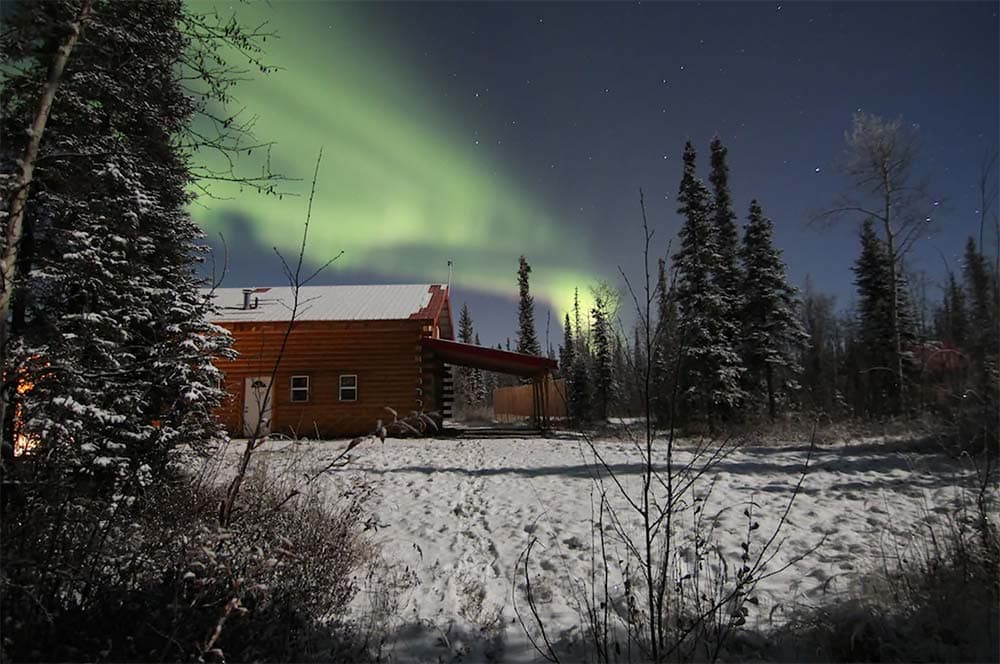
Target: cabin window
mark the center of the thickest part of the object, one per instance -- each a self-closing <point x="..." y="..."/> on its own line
<point x="300" y="388"/>
<point x="349" y="387"/>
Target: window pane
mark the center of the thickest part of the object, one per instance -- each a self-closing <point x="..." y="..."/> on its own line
<point x="300" y="382"/>
<point x="348" y="381"/>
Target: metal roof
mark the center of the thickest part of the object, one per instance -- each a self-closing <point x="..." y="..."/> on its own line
<point x="331" y="303"/>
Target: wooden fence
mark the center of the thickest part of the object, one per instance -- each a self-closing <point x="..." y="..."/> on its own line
<point x="516" y="403"/>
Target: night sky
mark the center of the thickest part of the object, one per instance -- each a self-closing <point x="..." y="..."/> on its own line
<point x="478" y="132"/>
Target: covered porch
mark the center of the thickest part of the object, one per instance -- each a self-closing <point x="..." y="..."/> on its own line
<point x="440" y="352"/>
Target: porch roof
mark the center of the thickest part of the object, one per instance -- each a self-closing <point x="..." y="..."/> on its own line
<point x="489" y="359"/>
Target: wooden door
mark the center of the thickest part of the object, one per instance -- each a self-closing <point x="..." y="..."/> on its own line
<point x="257" y="400"/>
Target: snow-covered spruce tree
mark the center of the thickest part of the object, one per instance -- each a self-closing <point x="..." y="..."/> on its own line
<point x="477" y="384"/>
<point x="725" y="270"/>
<point x="710" y="365"/>
<point x="578" y="384"/>
<point x="877" y="312"/>
<point x="527" y="340"/>
<point x="605" y="389"/>
<point x="463" y="387"/>
<point x="109" y="324"/>
<point x="772" y="334"/>
<point x="566" y="350"/>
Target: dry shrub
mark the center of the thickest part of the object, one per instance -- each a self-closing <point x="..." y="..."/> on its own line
<point x="154" y="577"/>
<point x="936" y="598"/>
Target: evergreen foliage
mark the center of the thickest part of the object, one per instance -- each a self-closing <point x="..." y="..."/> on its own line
<point x="951" y="323"/>
<point x="880" y="163"/>
<point x="665" y="346"/>
<point x="821" y="355"/>
<point x="466" y="330"/>
<point x="463" y="375"/>
<point x="875" y="324"/>
<point x="477" y="384"/>
<point x="772" y="333"/>
<point x="725" y="270"/>
<point x="981" y="289"/>
<point x="108" y="318"/>
<point x="710" y="365"/>
<point x="566" y="352"/>
<point x="578" y="386"/>
<point x="605" y="388"/>
<point x="527" y="340"/>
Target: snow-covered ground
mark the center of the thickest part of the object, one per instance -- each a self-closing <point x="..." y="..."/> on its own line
<point x="454" y="515"/>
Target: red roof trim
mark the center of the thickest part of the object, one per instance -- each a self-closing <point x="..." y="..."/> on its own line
<point x="434" y="306"/>
<point x="493" y="359"/>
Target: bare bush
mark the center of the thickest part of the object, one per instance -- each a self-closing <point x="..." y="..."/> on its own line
<point x="935" y="596"/>
<point x="155" y="578"/>
<point x="660" y="589"/>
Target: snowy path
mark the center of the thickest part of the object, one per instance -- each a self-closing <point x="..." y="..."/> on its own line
<point x="460" y="512"/>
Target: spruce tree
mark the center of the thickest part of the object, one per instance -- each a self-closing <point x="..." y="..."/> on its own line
<point x="880" y="164"/>
<point x="463" y="375"/>
<point x="772" y="334"/>
<point x="579" y="388"/>
<point x="950" y="320"/>
<point x="603" y="379"/>
<point x="821" y="354"/>
<point x="466" y="329"/>
<point x="664" y="346"/>
<point x="725" y="270"/>
<point x="477" y="384"/>
<point x="108" y="319"/>
<point x="710" y="364"/>
<point x="566" y="351"/>
<point x="527" y="341"/>
<point x="578" y="384"/>
<point x="877" y="309"/>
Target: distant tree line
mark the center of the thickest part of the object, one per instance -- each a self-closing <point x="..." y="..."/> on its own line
<point x="733" y="340"/>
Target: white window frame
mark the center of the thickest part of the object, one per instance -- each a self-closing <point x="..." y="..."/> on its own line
<point x="343" y="387"/>
<point x="293" y="389"/>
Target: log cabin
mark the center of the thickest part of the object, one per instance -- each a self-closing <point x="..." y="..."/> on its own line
<point x="351" y="352"/>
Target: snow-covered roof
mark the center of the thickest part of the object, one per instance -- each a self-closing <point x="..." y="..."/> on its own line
<point x="381" y="302"/>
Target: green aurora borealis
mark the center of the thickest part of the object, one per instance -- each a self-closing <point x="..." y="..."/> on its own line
<point x="401" y="189"/>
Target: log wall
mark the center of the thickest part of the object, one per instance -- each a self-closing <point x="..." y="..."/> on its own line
<point x="385" y="355"/>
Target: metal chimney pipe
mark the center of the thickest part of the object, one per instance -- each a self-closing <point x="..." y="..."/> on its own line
<point x="247" y="292"/>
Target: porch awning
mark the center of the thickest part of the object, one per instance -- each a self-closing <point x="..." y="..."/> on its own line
<point x="489" y="359"/>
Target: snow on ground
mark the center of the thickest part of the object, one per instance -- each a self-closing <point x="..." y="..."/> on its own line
<point x="456" y="514"/>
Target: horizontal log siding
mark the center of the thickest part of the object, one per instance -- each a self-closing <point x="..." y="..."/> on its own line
<point x="385" y="356"/>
